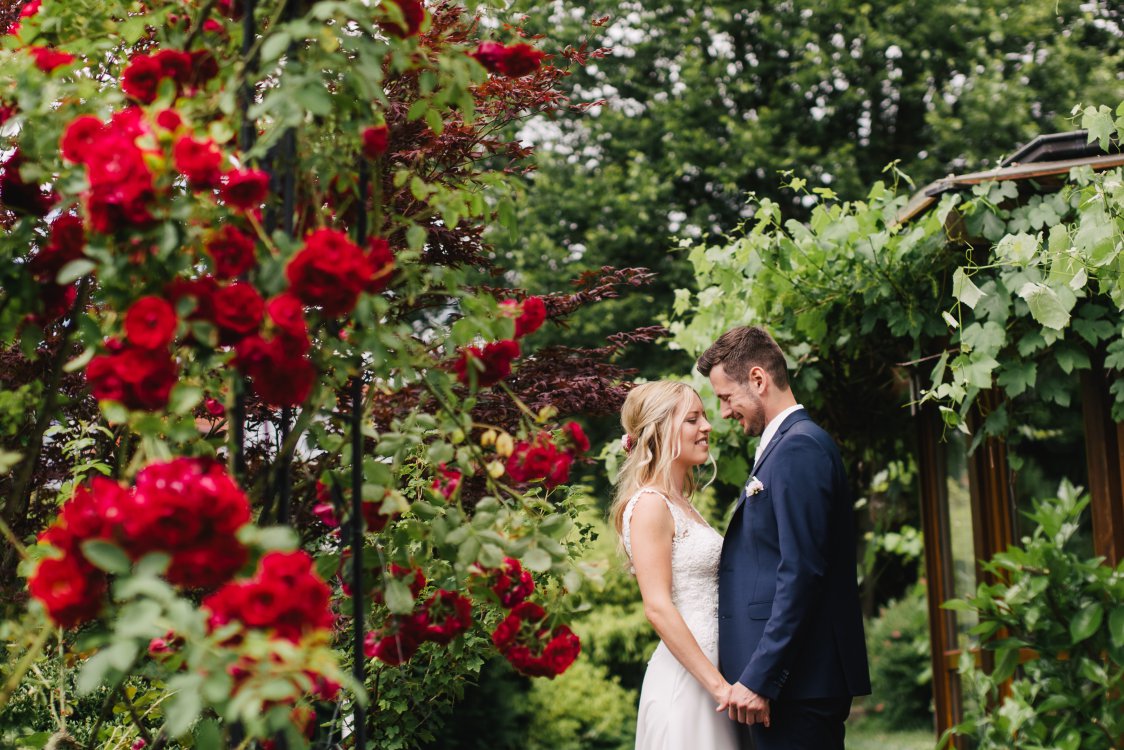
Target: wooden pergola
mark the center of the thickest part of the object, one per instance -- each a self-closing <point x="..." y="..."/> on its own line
<point x="1044" y="165"/>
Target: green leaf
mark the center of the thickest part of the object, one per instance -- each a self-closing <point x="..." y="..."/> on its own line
<point x="415" y="237"/>
<point x="184" y="398"/>
<point x="74" y="270"/>
<point x="1045" y="306"/>
<point x="314" y="98"/>
<point x="1007" y="659"/>
<point x="1018" y="248"/>
<point x="80" y="361"/>
<point x="1116" y="626"/>
<point x="399" y="599"/>
<point x="1099" y="124"/>
<point x="537" y="559"/>
<point x="207" y="734"/>
<point x="185" y="703"/>
<point x="1017" y="377"/>
<point x="1086" y="622"/>
<point x="106" y="556"/>
<point x="118" y="656"/>
<point x="556" y="525"/>
<point x="274" y="46"/>
<point x="964" y="289"/>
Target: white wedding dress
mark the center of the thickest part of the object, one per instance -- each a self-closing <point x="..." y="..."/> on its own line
<point x="676" y="712"/>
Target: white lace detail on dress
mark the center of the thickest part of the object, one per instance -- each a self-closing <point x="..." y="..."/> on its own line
<point x="695" y="552"/>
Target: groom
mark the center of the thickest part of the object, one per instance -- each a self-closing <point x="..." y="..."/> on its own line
<point x="790" y="631"/>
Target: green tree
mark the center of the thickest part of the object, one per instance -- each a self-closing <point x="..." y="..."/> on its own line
<point x="706" y="103"/>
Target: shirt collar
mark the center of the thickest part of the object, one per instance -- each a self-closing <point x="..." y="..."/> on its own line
<point x="771" y="430"/>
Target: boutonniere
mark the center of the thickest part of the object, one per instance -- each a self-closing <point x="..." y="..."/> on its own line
<point x="753" y="486"/>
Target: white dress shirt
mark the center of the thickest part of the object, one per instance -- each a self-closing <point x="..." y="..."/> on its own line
<point x="771" y="429"/>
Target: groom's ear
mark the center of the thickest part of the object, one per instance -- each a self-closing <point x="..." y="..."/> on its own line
<point x="758" y="379"/>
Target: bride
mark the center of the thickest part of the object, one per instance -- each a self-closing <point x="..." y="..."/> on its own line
<point x="674" y="554"/>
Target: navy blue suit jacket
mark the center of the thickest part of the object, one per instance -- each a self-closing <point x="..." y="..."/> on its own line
<point x="790" y="625"/>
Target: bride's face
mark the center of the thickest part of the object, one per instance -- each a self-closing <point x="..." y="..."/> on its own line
<point x="694" y="433"/>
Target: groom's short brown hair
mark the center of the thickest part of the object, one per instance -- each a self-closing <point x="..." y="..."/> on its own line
<point x="741" y="349"/>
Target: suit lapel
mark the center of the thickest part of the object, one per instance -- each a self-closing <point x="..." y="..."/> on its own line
<point x="797" y="416"/>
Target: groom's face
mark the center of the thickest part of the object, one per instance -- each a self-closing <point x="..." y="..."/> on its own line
<point x="738" y="401"/>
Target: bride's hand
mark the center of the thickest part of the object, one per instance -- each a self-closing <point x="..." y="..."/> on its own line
<point x="721" y="696"/>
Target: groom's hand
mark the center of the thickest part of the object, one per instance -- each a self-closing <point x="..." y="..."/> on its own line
<point x="746" y="706"/>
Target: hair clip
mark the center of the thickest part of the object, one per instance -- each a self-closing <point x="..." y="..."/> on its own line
<point x="626" y="443"/>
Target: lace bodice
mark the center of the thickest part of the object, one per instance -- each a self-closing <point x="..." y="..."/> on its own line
<point x="695" y="552"/>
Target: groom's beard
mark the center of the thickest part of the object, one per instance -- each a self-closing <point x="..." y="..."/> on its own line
<point x="753" y="418"/>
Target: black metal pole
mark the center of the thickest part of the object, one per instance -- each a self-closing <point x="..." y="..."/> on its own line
<point x="247" y="135"/>
<point x="359" y="667"/>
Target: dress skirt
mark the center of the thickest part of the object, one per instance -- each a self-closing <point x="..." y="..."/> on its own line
<point x="676" y="713"/>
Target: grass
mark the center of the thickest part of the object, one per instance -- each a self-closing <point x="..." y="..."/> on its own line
<point x="864" y="736"/>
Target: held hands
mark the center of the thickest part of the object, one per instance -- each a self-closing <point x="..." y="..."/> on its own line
<point x="744" y="705"/>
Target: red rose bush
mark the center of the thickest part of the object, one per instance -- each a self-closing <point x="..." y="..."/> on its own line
<point x="247" y="284"/>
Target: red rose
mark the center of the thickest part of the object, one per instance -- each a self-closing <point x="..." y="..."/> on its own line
<point x="244" y="189"/>
<point x="138" y="378"/>
<point x="373" y="517"/>
<point x="121" y="184"/>
<point x="520" y="60"/>
<point x="232" y="9"/>
<point x="204" y="65"/>
<point x="28" y="11"/>
<point x="199" y="161"/>
<point x="490" y="364"/>
<point x="329" y="272"/>
<point x="175" y="65"/>
<point x="513" y="584"/>
<point x="559" y="470"/>
<point x="394" y="649"/>
<point x="190" y="508"/>
<point x="80" y="137"/>
<point x="232" y="251"/>
<point x="375" y="141"/>
<point x="490" y="55"/>
<point x="573" y="431"/>
<point x="169" y="119"/>
<point x="202" y="290"/>
<point x="214" y="407"/>
<point x="71" y="589"/>
<point x="23" y="197"/>
<point x="413" y="14"/>
<point x="6" y="112"/>
<point x="381" y="260"/>
<point x="414" y="578"/>
<point x="150" y="323"/>
<point x="539" y="459"/>
<point x="285" y="597"/>
<point x="449" y="614"/>
<point x="287" y="313"/>
<point x="141" y="78"/>
<point x="512" y="61"/>
<point x="531" y="314"/>
<point x="279" y="378"/>
<point x="239" y="311"/>
<point x="47" y="59"/>
<point x="66" y="243"/>
<point x="446" y="482"/>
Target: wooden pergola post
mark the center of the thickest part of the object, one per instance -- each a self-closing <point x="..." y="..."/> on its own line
<point x="1104" y="450"/>
<point x="939" y="575"/>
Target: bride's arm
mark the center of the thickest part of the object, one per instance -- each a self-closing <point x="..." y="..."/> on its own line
<point x="652" y="530"/>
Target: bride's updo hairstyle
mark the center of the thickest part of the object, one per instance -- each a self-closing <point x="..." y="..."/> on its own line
<point x="651" y="442"/>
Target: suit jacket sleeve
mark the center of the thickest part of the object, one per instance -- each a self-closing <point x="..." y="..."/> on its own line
<point x="801" y="493"/>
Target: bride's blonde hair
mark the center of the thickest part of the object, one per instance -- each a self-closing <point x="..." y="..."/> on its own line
<point x="648" y="418"/>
